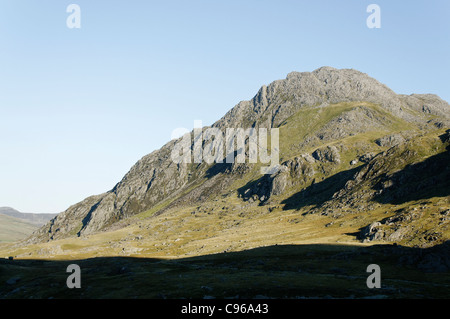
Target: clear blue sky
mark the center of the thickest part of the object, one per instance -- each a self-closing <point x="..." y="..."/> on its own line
<point x="78" y="107"/>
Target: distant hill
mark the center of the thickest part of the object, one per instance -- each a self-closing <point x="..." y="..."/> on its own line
<point x="35" y="219"/>
<point x="15" y="225"/>
<point x="14" y="229"/>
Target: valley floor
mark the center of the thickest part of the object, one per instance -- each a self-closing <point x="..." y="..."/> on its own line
<point x="197" y="254"/>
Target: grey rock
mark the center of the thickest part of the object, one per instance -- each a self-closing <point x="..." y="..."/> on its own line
<point x="308" y="158"/>
<point x="279" y="182"/>
<point x="372" y="232"/>
<point x="390" y="140"/>
<point x="327" y="154"/>
<point x="427" y="103"/>
<point x="399" y="234"/>
<point x="291" y="172"/>
<point x="367" y="157"/>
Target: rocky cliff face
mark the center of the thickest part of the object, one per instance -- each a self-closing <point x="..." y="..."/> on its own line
<point x="156" y="179"/>
<point x="281" y="99"/>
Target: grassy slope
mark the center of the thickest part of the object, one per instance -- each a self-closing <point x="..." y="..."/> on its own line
<point x="13" y="229"/>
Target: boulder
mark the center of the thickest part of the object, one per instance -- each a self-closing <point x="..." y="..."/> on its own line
<point x="372" y="232"/>
<point x="327" y="154"/>
<point x="390" y="140"/>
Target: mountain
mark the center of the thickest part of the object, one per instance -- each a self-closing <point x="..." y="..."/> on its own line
<point x="35" y="219"/>
<point x="346" y="141"/>
<point x="362" y="178"/>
